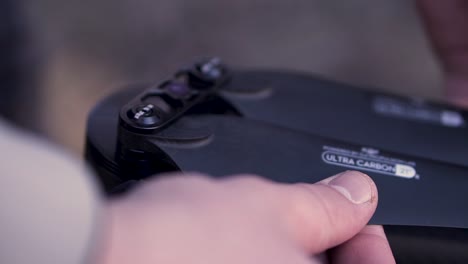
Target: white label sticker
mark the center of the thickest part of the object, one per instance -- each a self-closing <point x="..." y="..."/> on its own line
<point x="369" y="160"/>
<point x="405" y="171"/>
<point x="451" y="119"/>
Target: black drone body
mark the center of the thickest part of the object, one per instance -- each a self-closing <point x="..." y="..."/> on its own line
<point x="292" y="127"/>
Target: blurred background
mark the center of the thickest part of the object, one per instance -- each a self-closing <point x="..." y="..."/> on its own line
<point x="84" y="50"/>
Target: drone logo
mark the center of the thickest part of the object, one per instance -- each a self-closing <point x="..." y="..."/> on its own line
<point x="370" y="151"/>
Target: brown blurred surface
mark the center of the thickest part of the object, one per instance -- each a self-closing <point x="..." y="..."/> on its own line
<point x="93" y="47"/>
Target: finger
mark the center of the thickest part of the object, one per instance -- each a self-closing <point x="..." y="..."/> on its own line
<point x="447" y="23"/>
<point x="323" y="215"/>
<point x="368" y="247"/>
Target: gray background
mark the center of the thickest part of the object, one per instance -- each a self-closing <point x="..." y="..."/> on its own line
<point x="91" y="48"/>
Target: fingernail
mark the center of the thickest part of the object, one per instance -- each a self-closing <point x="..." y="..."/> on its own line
<point x="353" y="185"/>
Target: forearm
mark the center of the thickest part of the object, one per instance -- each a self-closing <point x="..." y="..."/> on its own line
<point x="48" y="202"/>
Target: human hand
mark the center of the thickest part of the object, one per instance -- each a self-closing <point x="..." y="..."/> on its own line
<point x="246" y="219"/>
<point x="447" y="25"/>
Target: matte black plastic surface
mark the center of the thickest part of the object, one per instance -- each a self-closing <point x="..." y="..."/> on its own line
<point x="329" y="109"/>
<point x="283" y="127"/>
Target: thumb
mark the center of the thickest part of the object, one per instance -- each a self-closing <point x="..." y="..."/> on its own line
<point x="330" y="212"/>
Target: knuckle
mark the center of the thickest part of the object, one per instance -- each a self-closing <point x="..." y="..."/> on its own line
<point x="252" y="189"/>
<point x="244" y="177"/>
<point x="306" y="211"/>
<point x="187" y="178"/>
<point x="176" y="181"/>
<point x="302" y="203"/>
<point x="248" y="181"/>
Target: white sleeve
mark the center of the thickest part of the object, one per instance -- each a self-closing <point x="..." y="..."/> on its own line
<point x="49" y="204"/>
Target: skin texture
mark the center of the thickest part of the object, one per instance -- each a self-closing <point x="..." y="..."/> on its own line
<point x="447" y="26"/>
<point x="246" y="219"/>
